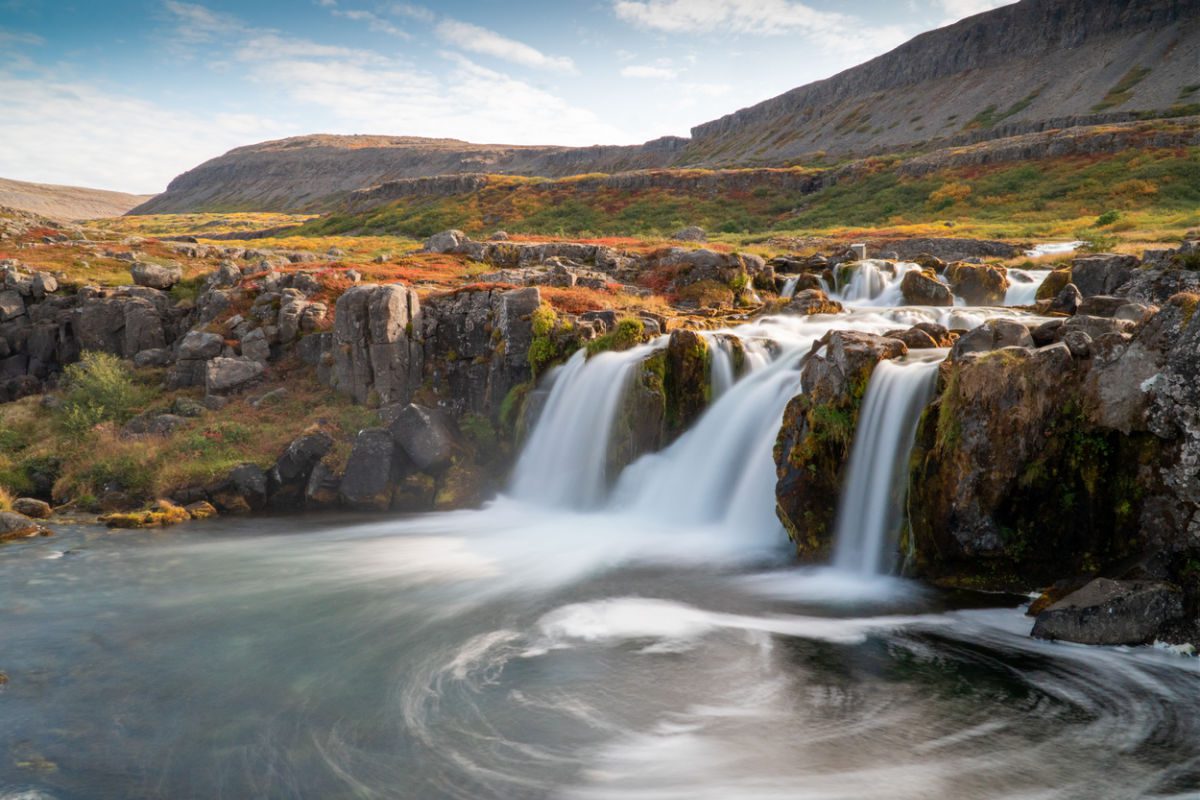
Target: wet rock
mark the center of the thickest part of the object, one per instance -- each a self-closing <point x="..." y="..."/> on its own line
<point x="226" y="375"/>
<point x="425" y="436"/>
<point x="1054" y="283"/>
<point x="155" y="276"/>
<point x="321" y="491"/>
<point x="243" y="489"/>
<point x="924" y="289"/>
<point x="15" y="526"/>
<point x="688" y="382"/>
<point x="1101" y="274"/>
<point x="371" y="471"/>
<point x="32" y="508"/>
<point x="914" y="339"/>
<point x="978" y="284"/>
<point x="1111" y="612"/>
<point x="937" y="332"/>
<point x="811" y="301"/>
<point x="1066" y="301"/>
<point x="992" y="335"/>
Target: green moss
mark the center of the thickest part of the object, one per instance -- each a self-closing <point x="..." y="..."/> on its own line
<point x="628" y="333"/>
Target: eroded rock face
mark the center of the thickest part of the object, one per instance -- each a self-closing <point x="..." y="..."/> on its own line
<point x="376" y="350"/>
<point x="1111" y="612"/>
<point x="814" y="441"/>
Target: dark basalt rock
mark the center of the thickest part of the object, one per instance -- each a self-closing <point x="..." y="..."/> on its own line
<point x="1111" y="612"/>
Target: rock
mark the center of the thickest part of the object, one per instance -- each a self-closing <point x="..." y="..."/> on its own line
<point x="1135" y="312"/>
<point x="992" y="335"/>
<point x="425" y="436"/>
<point x="1066" y="301"/>
<point x="376" y="350"/>
<point x="292" y="472"/>
<point x="160" y="515"/>
<point x="150" y="424"/>
<point x="1102" y="273"/>
<point x="929" y="262"/>
<point x="978" y="284"/>
<point x="1101" y="305"/>
<point x="321" y="491"/>
<point x="1111" y="612"/>
<point x="1079" y="343"/>
<point x="1054" y="283"/>
<point x="201" y="509"/>
<point x="11" y="305"/>
<point x="43" y="284"/>
<point x="937" y="332"/>
<point x="200" y="346"/>
<point x="498" y="236"/>
<point x="691" y="233"/>
<point x="18" y="526"/>
<point x="915" y="339"/>
<point x="921" y="288"/>
<point x="155" y="276"/>
<point x="255" y="346"/>
<point x="34" y="509"/>
<point x="187" y="407"/>
<point x="445" y="242"/>
<point x="228" y="375"/>
<point x="371" y="471"/>
<point x="243" y="489"/>
<point x="154" y="357"/>
<point x="811" y="301"/>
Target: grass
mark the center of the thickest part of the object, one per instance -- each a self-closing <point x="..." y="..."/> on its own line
<point x="1120" y="93"/>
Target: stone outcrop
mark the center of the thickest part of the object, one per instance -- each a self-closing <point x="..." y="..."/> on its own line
<point x="1111" y="612"/>
<point x="814" y="441"/>
<point x="376" y="349"/>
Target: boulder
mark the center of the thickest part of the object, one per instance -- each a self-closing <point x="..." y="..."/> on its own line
<point x="295" y="463"/>
<point x="34" y="509"/>
<point x="11" y="305"/>
<point x="1067" y="301"/>
<point x="43" y="284"/>
<point x="811" y="301"/>
<point x="915" y="339"/>
<point x="1102" y="305"/>
<point x="992" y="335"/>
<point x="228" y="375"/>
<point x="153" y="357"/>
<point x="692" y="233"/>
<point x="1054" y="283"/>
<point x="321" y="491"/>
<point x="200" y="346"/>
<point x="18" y="526"/>
<point x="445" y="242"/>
<point x="1102" y="273"/>
<point x="155" y="276"/>
<point x="425" y="436"/>
<point x="151" y="424"/>
<point x="1111" y="612"/>
<point x="688" y="383"/>
<point x="255" y="346"/>
<point x="371" y="471"/>
<point x="243" y="489"/>
<point x="979" y="284"/>
<point x="921" y="288"/>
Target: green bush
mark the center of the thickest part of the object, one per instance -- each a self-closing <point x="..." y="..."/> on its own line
<point x="99" y="388"/>
<point x="1107" y="218"/>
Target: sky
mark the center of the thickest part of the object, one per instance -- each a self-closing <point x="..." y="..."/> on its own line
<point x="126" y="94"/>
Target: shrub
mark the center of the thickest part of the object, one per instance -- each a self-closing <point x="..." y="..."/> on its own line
<point x="1107" y="218"/>
<point x="99" y="388"/>
<point x="6" y="499"/>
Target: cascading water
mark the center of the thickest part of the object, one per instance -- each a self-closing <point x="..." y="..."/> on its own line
<point x="870" y="282"/>
<point x="564" y="462"/>
<point x="789" y="287"/>
<point x="1023" y="285"/>
<point x="871" y="509"/>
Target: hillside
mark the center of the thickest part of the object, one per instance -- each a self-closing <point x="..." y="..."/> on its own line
<point x="66" y="202"/>
<point x="1034" y="66"/>
<point x="313" y="172"/>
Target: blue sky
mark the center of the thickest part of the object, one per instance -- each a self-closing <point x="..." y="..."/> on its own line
<point x="127" y="94"/>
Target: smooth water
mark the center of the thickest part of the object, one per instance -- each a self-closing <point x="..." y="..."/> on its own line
<point x="521" y="653"/>
<point x="871" y="511"/>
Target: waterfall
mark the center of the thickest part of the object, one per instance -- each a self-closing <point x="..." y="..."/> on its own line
<point x="1023" y="285"/>
<point x="564" y="462"/>
<point x="871" y="282"/>
<point x="872" y="503"/>
<point x="789" y="287"/>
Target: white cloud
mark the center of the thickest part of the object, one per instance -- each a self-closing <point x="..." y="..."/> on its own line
<point x="18" y="38"/>
<point x="765" y="17"/>
<point x="197" y="23"/>
<point x="959" y="9"/>
<point x="648" y="71"/>
<point x="374" y="22"/>
<point x="470" y="37"/>
<point x="419" y="13"/>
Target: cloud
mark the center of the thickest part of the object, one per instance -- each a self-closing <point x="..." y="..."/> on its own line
<point x="196" y="23"/>
<point x="959" y="9"/>
<point x="20" y="37"/>
<point x="419" y="13"/>
<point x="374" y="22"/>
<point x="648" y="71"/>
<point x="470" y="37"/>
<point x="764" y="17"/>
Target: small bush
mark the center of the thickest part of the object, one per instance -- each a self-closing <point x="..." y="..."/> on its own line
<point x="1107" y="218"/>
<point x="6" y="499"/>
<point x="100" y="388"/>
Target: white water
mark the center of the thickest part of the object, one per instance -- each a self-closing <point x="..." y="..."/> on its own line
<point x="789" y="287"/>
<point x="871" y="282"/>
<point x="1023" y="285"/>
<point x="1053" y="248"/>
<point x="872" y="505"/>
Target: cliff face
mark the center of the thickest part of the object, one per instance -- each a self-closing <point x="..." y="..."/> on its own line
<point x="1005" y="72"/>
<point x="1033" y="66"/>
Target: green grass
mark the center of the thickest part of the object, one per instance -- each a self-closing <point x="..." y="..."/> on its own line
<point x="1122" y="90"/>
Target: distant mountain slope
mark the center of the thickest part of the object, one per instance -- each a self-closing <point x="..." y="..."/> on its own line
<point x="308" y="172"/>
<point x="1032" y="66"/>
<point x="66" y="202"/>
<point x="1019" y="68"/>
